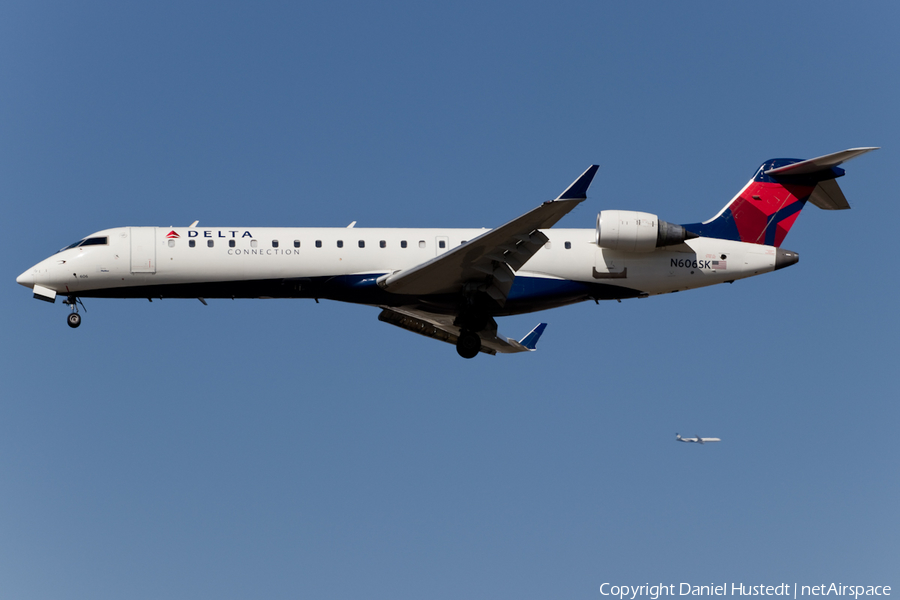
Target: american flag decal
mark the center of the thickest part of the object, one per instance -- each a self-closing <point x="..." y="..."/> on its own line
<point x="718" y="264"/>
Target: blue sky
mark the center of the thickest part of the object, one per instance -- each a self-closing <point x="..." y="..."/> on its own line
<point x="288" y="449"/>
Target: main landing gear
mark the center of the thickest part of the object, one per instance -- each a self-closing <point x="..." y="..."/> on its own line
<point x="470" y="320"/>
<point x="469" y="344"/>
<point x="74" y="319"/>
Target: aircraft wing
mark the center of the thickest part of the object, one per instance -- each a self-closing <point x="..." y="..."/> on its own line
<point x="441" y="327"/>
<point x="491" y="259"/>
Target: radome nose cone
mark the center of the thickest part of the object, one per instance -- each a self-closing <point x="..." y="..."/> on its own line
<point x="26" y="279"/>
<point x="785" y="258"/>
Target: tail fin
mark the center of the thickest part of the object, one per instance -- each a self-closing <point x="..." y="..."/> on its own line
<point x="766" y="208"/>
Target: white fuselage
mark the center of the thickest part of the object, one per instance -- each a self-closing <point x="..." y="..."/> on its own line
<point x="307" y="262"/>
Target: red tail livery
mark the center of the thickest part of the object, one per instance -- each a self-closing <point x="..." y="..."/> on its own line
<point x="764" y="211"/>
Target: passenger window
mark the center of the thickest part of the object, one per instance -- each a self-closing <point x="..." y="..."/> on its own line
<point x="231" y="243"/>
<point x="296" y="243"/>
<point x="318" y="243"/>
<point x="171" y="243"/>
<point x="362" y="244"/>
<point x="403" y="244"/>
<point x="340" y="243"/>
<point x="421" y="243"/>
<point x="192" y="243"/>
<point x="568" y="245"/>
<point x="382" y="244"/>
<point x="274" y="243"/>
<point x="547" y="245"/>
<point x="210" y="243"/>
<point x="253" y="243"/>
<point x="442" y="244"/>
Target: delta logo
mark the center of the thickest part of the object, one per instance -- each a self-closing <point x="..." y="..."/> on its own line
<point x="192" y="233"/>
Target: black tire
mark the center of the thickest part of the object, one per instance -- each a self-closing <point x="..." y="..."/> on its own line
<point x="468" y="345"/>
<point x="74" y="320"/>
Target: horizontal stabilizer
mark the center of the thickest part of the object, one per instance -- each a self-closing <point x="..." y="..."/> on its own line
<point x="815" y="165"/>
<point x="828" y="196"/>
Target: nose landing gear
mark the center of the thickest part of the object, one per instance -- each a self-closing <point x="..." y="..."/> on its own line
<point x="74" y="319"/>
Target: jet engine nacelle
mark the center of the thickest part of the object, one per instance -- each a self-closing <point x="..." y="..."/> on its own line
<point x="631" y="231"/>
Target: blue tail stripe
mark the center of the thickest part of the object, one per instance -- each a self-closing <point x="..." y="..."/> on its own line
<point x="723" y="228"/>
<point x="779" y="216"/>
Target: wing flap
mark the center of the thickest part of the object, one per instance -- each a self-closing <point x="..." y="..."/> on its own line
<point x="444" y="332"/>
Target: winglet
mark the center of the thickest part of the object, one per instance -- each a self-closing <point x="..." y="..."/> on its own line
<point x="579" y="188"/>
<point x="531" y="340"/>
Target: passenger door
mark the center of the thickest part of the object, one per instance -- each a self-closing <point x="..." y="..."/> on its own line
<point x="143" y="249"/>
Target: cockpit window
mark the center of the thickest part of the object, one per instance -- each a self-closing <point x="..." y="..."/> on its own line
<point x="69" y="246"/>
<point x="94" y="241"/>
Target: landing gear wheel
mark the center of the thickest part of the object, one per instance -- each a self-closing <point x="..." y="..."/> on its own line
<point x="468" y="344"/>
<point x="74" y="320"/>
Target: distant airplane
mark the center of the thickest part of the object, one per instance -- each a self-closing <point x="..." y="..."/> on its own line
<point x="696" y="440"/>
<point x="451" y="284"/>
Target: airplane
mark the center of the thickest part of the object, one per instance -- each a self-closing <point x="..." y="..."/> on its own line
<point x="696" y="439"/>
<point x="451" y="284"/>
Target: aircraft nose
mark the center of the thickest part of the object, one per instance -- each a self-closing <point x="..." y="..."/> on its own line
<point x="26" y="279"/>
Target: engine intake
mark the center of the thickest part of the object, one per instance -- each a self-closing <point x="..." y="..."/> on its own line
<point x="631" y="231"/>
